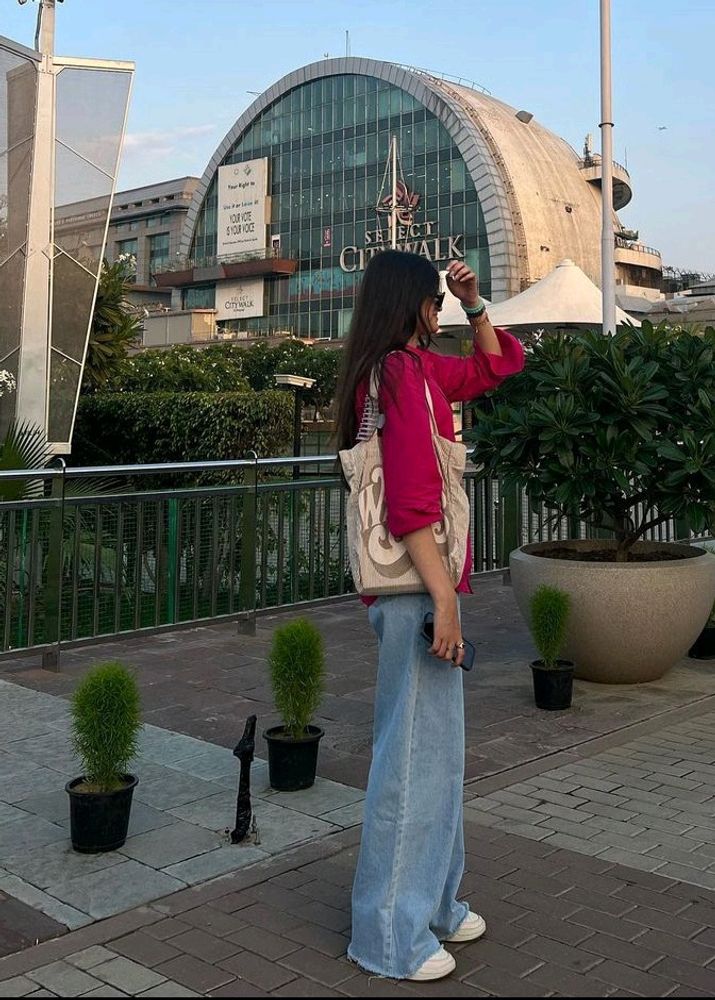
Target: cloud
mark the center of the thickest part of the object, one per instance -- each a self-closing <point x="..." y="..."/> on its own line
<point x="163" y="143"/>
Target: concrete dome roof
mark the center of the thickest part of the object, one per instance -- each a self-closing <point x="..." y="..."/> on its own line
<point x="537" y="202"/>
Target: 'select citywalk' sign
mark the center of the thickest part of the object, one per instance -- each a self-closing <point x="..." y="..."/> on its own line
<point x="412" y="237"/>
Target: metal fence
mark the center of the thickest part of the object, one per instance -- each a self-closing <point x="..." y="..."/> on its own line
<point x="111" y="551"/>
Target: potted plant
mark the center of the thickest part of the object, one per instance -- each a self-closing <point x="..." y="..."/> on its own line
<point x="617" y="432"/>
<point x="297" y="665"/>
<point x="704" y="646"/>
<point x="553" y="677"/>
<point x="106" y="721"/>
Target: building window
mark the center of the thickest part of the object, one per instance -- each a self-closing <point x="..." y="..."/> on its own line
<point x="158" y="253"/>
<point x="328" y="143"/>
<point x="201" y="297"/>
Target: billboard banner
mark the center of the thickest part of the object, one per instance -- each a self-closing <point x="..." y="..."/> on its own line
<point x="239" y="299"/>
<point x="242" y="202"/>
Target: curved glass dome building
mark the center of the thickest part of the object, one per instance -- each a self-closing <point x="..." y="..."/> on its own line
<point x="299" y="194"/>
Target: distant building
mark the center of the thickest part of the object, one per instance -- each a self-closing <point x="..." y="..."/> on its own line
<point x="145" y="222"/>
<point x="293" y="203"/>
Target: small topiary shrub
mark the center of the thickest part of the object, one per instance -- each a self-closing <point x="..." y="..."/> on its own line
<point x="550" y="608"/>
<point x="297" y="665"/>
<point x="106" y="719"/>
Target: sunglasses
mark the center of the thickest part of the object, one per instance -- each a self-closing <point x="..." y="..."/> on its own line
<point x="439" y="300"/>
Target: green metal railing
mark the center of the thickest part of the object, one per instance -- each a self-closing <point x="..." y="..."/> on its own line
<point x="113" y="551"/>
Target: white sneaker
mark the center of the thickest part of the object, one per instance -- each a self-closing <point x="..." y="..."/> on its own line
<point x="436" y="967"/>
<point x="471" y="928"/>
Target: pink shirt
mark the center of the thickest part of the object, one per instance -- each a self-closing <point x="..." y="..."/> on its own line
<point x="413" y="484"/>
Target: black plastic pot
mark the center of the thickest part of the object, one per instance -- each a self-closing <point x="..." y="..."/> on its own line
<point x="292" y="763"/>
<point x="704" y="646"/>
<point x="99" y="820"/>
<point x="553" y="686"/>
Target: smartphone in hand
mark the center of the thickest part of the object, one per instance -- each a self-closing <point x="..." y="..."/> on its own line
<point x="427" y="634"/>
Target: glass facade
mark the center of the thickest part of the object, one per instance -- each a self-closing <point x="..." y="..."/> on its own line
<point x="158" y="252"/>
<point x="328" y="143"/>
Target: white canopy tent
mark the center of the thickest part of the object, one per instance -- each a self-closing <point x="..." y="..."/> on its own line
<point x="566" y="297"/>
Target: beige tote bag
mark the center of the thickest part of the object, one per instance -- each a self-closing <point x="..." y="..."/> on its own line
<point x="380" y="563"/>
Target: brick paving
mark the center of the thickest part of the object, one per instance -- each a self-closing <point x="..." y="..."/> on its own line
<point x="568" y="914"/>
<point x="648" y="803"/>
<point x="560" y="923"/>
<point x="205" y="682"/>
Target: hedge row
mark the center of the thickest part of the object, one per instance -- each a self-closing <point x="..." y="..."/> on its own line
<point x="126" y="428"/>
<point x="228" y="368"/>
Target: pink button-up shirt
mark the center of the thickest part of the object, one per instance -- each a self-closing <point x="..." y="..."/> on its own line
<point x="413" y="484"/>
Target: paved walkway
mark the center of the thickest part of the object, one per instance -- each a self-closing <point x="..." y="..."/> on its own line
<point x="648" y="803"/>
<point x="205" y="682"/>
<point x="184" y="806"/>
<point x="560" y="924"/>
<point x="589" y="847"/>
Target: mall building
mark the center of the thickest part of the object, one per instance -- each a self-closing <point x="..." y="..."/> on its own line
<point x="298" y="197"/>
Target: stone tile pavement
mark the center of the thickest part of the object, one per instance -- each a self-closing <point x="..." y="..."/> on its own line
<point x="204" y="682"/>
<point x="648" y="803"/>
<point x="561" y="923"/>
<point x="184" y="805"/>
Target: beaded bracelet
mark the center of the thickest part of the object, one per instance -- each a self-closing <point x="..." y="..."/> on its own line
<point x="474" y="312"/>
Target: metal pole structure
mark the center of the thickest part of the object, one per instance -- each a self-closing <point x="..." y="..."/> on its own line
<point x="34" y="363"/>
<point x="297" y="428"/>
<point x="608" y="266"/>
<point x="295" y="500"/>
<point x="393" y="209"/>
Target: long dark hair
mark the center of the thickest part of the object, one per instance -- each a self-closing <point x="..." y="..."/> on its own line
<point x="387" y="314"/>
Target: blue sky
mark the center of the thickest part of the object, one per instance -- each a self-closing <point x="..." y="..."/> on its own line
<point x="197" y="60"/>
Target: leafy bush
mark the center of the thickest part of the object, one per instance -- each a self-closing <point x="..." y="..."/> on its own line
<point x="124" y="428"/>
<point x="550" y="608"/>
<point x="618" y="430"/>
<point x="183" y="369"/>
<point x="106" y="719"/>
<point x="297" y="664"/>
<point x="229" y="368"/>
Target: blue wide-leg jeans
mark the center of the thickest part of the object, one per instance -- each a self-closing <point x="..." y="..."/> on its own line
<point x="412" y="849"/>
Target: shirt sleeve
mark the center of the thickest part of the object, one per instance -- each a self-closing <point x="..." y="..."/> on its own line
<point x="413" y="482"/>
<point x="462" y="379"/>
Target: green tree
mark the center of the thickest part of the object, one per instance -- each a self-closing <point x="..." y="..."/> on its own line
<point x="618" y="431"/>
<point x="115" y="326"/>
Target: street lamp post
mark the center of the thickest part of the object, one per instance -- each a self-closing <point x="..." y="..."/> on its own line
<point x="608" y="266"/>
<point x="299" y="384"/>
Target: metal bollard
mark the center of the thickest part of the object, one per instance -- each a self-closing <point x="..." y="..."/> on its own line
<point x="244" y="751"/>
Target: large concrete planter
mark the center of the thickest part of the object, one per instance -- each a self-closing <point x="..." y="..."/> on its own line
<point x="630" y="622"/>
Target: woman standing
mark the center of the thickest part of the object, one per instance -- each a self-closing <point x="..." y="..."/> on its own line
<point x="412" y="850"/>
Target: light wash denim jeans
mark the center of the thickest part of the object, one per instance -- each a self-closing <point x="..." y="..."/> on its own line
<point x="412" y="850"/>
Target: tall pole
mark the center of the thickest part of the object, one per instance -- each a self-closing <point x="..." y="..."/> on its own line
<point x="34" y="363"/>
<point x="393" y="206"/>
<point x="608" y="266"/>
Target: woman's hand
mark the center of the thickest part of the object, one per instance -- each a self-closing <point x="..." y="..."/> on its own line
<point x="462" y="283"/>
<point x="447" y="630"/>
<point x="428" y="563"/>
